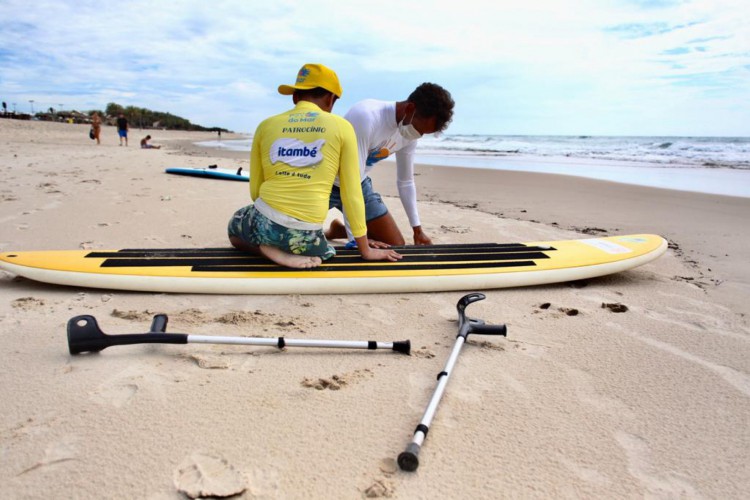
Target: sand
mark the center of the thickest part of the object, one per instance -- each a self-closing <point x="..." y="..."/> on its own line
<point x="578" y="401"/>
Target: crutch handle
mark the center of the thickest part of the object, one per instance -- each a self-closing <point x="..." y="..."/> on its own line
<point x="467" y="326"/>
<point x="159" y="324"/>
<point x="484" y="329"/>
<point x="84" y="335"/>
<point x="464" y="302"/>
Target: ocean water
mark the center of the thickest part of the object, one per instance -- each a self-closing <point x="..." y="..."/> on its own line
<point x="716" y="165"/>
<point x="714" y="152"/>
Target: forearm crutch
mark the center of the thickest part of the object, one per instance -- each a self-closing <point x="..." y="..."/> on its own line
<point x="408" y="460"/>
<point x="84" y="335"/>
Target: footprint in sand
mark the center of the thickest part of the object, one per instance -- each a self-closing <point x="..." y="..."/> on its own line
<point x="141" y="316"/>
<point x="388" y="466"/>
<point x="455" y="229"/>
<point x="27" y="303"/>
<point x="380" y="488"/>
<point x="585" y="472"/>
<point x="49" y="188"/>
<point x="697" y="318"/>
<point x="263" y="483"/>
<point x="739" y="379"/>
<point x="335" y="382"/>
<point x="657" y="483"/>
<point x="205" y="475"/>
<point x="587" y="394"/>
<point x="423" y="352"/>
<point x="485" y="345"/>
<point x="117" y="394"/>
<point x="63" y="450"/>
<point x="515" y="385"/>
<point x="567" y="311"/>
<point x="210" y="362"/>
<point x="120" y="389"/>
<point x="615" y="307"/>
<point x="531" y="350"/>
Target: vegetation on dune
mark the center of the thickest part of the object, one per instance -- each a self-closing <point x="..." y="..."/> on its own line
<point x="137" y="117"/>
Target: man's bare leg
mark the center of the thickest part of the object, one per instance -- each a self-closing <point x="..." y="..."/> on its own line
<point x="384" y="229"/>
<point x="241" y="245"/>
<point x="336" y="231"/>
<point x="289" y="260"/>
<point x="277" y="255"/>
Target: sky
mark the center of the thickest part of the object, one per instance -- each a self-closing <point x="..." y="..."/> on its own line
<point x="521" y="67"/>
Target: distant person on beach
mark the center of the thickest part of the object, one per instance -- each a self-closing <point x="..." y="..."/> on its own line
<point x="146" y="145"/>
<point x="384" y="128"/>
<point x="294" y="160"/>
<point x="96" y="126"/>
<point x="122" y="128"/>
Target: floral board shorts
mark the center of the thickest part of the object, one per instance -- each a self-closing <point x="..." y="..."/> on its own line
<point x="254" y="228"/>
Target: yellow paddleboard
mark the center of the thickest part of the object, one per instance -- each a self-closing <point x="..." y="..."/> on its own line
<point x="423" y="268"/>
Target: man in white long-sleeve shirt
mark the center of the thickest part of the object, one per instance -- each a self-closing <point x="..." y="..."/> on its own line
<point x="384" y="128"/>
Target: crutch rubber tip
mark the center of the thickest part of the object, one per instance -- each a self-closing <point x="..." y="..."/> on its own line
<point x="404" y="346"/>
<point x="408" y="459"/>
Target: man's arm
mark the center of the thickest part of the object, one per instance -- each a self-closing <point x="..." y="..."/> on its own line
<point x="350" y="182"/>
<point x="351" y="198"/>
<point x="256" y="166"/>
<point x="362" y="125"/>
<point x="420" y="238"/>
<point x="407" y="191"/>
<point x="363" y="131"/>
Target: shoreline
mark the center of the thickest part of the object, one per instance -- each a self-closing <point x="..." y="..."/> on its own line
<point x="724" y="180"/>
<point x="648" y="399"/>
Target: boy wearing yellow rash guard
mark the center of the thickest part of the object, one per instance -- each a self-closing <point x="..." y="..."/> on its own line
<point x="294" y="160"/>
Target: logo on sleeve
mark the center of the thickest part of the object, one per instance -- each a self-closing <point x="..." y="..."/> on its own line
<point x="296" y="153"/>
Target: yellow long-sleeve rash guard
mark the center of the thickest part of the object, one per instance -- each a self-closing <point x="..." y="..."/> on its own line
<point x="295" y="157"/>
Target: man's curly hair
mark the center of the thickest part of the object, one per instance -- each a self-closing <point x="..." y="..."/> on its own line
<point x="433" y="100"/>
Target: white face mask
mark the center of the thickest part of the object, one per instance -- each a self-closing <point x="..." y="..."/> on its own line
<point x="408" y="132"/>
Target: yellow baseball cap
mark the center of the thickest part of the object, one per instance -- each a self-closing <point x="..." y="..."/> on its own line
<point x="311" y="76"/>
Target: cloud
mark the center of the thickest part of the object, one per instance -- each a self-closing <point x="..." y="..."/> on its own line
<point x="545" y="66"/>
<point x="642" y="30"/>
